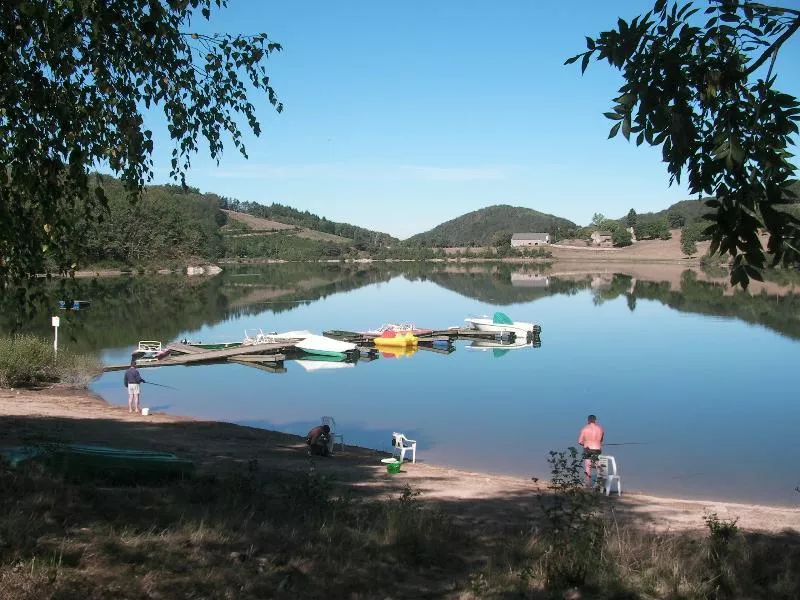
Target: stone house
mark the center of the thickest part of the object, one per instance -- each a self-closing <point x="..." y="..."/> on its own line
<point x="601" y="237"/>
<point x="519" y="240"/>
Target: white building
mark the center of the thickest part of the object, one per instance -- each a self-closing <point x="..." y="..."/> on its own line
<point x="529" y="239"/>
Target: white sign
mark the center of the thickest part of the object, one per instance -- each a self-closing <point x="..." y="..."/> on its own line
<point x="56" y="321"/>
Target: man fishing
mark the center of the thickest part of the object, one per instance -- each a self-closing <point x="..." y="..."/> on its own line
<point x="133" y="379"/>
<point x="591" y="438"/>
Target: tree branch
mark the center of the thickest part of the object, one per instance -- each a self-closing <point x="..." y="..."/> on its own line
<point x="774" y="47"/>
<point x="771" y="9"/>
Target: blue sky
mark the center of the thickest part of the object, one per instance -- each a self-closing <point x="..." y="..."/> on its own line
<point x="401" y="115"/>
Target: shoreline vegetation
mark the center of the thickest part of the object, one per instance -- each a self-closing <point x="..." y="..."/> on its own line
<point x="260" y="519"/>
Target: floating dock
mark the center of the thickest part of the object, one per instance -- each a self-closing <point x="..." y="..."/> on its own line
<point x="188" y="355"/>
<point x="270" y="357"/>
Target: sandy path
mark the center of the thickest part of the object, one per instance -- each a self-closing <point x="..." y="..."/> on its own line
<point x="67" y="414"/>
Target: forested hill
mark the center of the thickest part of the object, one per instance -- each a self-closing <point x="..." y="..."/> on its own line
<point x="292" y="216"/>
<point x="166" y="223"/>
<point x="483" y="227"/>
<point x="688" y="211"/>
<point x="170" y="223"/>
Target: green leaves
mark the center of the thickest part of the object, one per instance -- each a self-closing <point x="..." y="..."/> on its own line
<point x="75" y="78"/>
<point x="686" y="90"/>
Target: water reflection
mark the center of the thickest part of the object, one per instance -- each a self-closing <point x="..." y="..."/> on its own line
<point x="655" y="351"/>
<point x="127" y="309"/>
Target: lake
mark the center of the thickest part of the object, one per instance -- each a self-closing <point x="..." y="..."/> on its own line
<point x="696" y="383"/>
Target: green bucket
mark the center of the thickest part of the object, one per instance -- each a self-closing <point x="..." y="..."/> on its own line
<point x="393" y="467"/>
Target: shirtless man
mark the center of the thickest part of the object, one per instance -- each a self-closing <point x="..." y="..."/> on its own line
<point x="591" y="438"/>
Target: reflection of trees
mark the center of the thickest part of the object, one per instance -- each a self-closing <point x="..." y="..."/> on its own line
<point x="126" y="309"/>
<point x="779" y="313"/>
<point x="494" y="286"/>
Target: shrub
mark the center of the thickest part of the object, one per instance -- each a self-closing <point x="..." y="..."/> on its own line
<point x="26" y="360"/>
<point x="574" y="529"/>
<point x="621" y="237"/>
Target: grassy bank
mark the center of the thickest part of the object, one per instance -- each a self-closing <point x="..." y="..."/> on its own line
<point x="28" y="361"/>
<point x="252" y="531"/>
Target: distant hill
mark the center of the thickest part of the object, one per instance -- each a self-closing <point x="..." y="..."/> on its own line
<point x="693" y="210"/>
<point x="172" y="223"/>
<point x="482" y="227"/>
<point x="281" y="213"/>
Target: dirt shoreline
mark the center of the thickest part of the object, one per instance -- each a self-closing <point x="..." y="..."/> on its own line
<point x="68" y="414"/>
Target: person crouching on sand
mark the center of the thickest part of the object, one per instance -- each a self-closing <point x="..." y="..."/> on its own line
<point x="318" y="440"/>
<point x="132" y="381"/>
<point x="591" y="438"/>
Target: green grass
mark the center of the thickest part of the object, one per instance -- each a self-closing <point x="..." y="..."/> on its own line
<point x="29" y="361"/>
<point x="253" y="533"/>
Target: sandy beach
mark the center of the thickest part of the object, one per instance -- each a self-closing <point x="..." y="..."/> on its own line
<point x="66" y="414"/>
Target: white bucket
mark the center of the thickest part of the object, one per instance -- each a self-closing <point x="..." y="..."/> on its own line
<point x="145" y="412"/>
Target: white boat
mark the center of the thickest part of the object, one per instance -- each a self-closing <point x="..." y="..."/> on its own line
<point x="148" y="351"/>
<point x="253" y="337"/>
<point x="315" y="344"/>
<point x="501" y="323"/>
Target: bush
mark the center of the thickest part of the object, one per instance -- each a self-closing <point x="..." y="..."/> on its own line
<point x="621" y="237"/>
<point x="574" y="528"/>
<point x="688" y="241"/>
<point x="26" y="360"/>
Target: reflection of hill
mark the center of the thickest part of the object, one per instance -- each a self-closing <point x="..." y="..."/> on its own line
<point x="127" y="309"/>
<point x="779" y="312"/>
<point x="495" y="285"/>
<point x="774" y="306"/>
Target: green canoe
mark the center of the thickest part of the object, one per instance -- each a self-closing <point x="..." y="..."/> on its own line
<point x="101" y="460"/>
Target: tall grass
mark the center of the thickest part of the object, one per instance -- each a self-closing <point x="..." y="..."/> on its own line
<point x="28" y="361"/>
<point x="253" y="533"/>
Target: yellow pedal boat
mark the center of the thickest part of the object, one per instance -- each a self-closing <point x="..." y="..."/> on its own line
<point x="394" y="339"/>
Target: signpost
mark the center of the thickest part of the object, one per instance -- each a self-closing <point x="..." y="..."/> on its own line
<point x="56" y="322"/>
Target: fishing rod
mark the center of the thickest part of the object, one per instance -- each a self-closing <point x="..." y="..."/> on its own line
<point x="627" y="444"/>
<point x="169" y="387"/>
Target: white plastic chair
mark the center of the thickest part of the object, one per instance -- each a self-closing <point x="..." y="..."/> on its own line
<point x="331" y="422"/>
<point x="402" y="445"/>
<point x="607" y="473"/>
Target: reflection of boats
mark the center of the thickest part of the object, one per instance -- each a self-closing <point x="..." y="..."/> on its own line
<point x="502" y="323"/>
<point x="74" y="304"/>
<point x="320" y="363"/>
<point x="491" y="344"/>
<point x="397" y="328"/>
<point x="501" y="348"/>
<point x="399" y="352"/>
<point x="393" y="339"/>
<point x="148" y="350"/>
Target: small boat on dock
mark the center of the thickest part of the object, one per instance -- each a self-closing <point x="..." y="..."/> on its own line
<point x="149" y="350"/>
<point x="405" y="328"/>
<point x="502" y="323"/>
<point x="393" y="339"/>
<point x="214" y="346"/>
<point x="312" y="343"/>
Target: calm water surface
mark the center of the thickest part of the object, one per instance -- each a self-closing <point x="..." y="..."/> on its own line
<point x="706" y="406"/>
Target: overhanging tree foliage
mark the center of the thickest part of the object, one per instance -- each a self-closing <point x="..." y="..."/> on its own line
<point x="699" y="83"/>
<point x="75" y="78"/>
